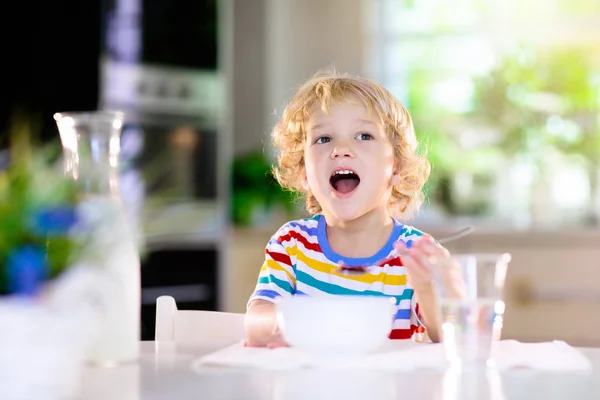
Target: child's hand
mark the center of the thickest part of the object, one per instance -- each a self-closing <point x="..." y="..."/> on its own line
<point x="273" y="342"/>
<point x="261" y="326"/>
<point x="419" y="261"/>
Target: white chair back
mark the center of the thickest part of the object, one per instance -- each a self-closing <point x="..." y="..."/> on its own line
<point x="173" y="325"/>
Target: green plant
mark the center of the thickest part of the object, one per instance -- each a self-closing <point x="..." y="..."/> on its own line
<point x="543" y="103"/>
<point x="254" y="188"/>
<point x="529" y="89"/>
<point x="535" y="102"/>
<point x="439" y="131"/>
<point x="37" y="211"/>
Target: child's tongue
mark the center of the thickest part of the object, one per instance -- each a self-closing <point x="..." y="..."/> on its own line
<point x="346" y="185"/>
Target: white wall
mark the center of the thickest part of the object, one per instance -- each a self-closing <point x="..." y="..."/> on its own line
<point x="248" y="77"/>
<point x="278" y="45"/>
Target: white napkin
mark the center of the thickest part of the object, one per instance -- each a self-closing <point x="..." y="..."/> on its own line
<point x="404" y="356"/>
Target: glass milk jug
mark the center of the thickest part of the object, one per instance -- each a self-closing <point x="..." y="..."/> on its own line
<point x="91" y="146"/>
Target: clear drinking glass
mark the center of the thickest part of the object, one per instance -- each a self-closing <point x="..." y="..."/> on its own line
<point x="471" y="305"/>
<point x="481" y="383"/>
<point x="91" y="147"/>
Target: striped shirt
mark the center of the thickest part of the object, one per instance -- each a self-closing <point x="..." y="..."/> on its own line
<point x="299" y="261"/>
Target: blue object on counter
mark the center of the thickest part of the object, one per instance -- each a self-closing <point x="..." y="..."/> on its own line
<point x="26" y="270"/>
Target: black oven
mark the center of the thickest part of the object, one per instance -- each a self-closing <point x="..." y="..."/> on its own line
<point x="175" y="156"/>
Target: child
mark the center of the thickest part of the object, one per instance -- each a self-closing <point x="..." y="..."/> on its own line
<point x="349" y="147"/>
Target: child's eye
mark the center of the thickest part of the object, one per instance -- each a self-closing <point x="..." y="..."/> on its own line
<point x="323" y="139"/>
<point x="364" y="136"/>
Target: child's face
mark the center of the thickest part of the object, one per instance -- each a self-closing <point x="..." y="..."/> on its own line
<point x="349" y="161"/>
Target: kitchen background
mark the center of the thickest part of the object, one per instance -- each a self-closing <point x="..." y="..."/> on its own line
<point x="505" y="98"/>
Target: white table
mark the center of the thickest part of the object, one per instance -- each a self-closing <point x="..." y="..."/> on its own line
<point x="164" y="372"/>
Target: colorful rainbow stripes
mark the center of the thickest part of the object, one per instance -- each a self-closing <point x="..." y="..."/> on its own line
<point x="299" y="261"/>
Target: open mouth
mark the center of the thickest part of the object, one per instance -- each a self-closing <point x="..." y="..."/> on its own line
<point x="344" y="180"/>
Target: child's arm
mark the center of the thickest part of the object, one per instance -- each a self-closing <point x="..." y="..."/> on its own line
<point x="428" y="307"/>
<point x="261" y="325"/>
<point x="417" y="263"/>
<point x="277" y="278"/>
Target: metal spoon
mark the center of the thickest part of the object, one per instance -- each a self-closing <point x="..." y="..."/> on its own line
<point x="457" y="235"/>
<point x="361" y="269"/>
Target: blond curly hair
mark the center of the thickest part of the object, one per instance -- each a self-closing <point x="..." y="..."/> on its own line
<point x="327" y="89"/>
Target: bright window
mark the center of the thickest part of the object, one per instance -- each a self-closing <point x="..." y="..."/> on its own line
<point x="506" y="97"/>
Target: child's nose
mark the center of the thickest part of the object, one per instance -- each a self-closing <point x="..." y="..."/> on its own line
<point x="342" y="150"/>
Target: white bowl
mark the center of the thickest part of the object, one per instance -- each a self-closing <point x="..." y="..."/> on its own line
<point x="336" y="324"/>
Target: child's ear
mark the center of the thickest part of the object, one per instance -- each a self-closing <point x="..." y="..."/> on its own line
<point x="396" y="175"/>
<point x="305" y="182"/>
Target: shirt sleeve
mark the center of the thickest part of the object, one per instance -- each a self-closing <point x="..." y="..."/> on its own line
<point x="277" y="276"/>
